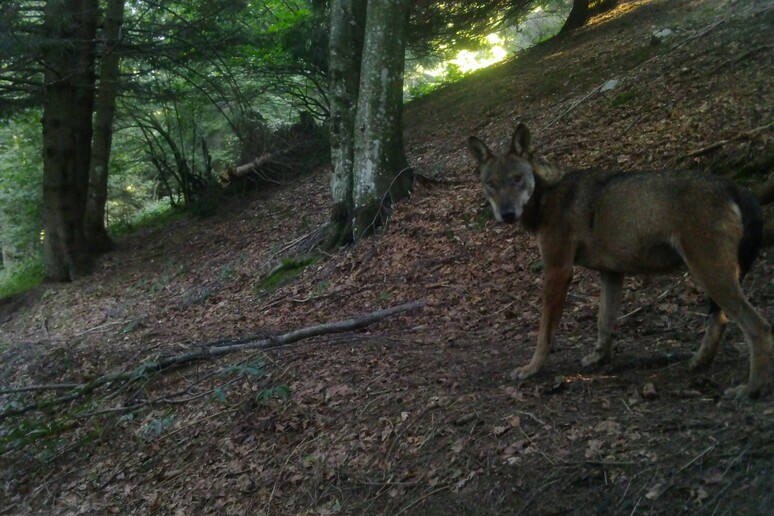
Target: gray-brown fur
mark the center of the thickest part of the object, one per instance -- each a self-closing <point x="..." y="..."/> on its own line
<point x="622" y="223"/>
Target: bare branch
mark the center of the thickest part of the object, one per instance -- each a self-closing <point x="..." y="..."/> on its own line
<point x="209" y="351"/>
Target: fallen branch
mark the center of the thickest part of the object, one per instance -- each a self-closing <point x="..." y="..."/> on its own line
<point x="572" y="107"/>
<point x="740" y="136"/>
<point x="32" y="388"/>
<point x="742" y="57"/>
<point x="208" y="352"/>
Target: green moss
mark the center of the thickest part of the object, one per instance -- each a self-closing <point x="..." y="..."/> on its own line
<point x="286" y="271"/>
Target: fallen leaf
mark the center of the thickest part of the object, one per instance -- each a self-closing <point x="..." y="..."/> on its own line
<point x="654" y="492"/>
<point x="594" y="448"/>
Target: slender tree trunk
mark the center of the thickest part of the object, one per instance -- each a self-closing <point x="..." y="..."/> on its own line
<point x="346" y="48"/>
<point x="379" y="155"/>
<point x="105" y="107"/>
<point x="70" y="28"/>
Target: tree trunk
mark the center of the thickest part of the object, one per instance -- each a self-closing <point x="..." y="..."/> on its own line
<point x="367" y="45"/>
<point x="579" y="15"/>
<point x="68" y="55"/>
<point x="346" y="48"/>
<point x="379" y="156"/>
<point x="97" y="237"/>
<point x="582" y="10"/>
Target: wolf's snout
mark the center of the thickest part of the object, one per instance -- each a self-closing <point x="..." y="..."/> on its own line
<point x="508" y="215"/>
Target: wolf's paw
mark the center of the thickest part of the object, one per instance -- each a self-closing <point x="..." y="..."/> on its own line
<point x="743" y="392"/>
<point x="524" y="372"/>
<point x="595" y="358"/>
<point x="700" y="362"/>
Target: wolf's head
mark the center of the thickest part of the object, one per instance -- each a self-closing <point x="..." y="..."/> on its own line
<point x="508" y="179"/>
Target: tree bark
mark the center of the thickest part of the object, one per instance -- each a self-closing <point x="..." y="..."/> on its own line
<point x="367" y="45"/>
<point x="70" y="28"/>
<point x="97" y="237"/>
<point x="379" y="155"/>
<point x="582" y="10"/>
<point x="579" y="15"/>
<point x="347" y="33"/>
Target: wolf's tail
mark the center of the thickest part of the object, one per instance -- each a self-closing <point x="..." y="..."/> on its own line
<point x="752" y="222"/>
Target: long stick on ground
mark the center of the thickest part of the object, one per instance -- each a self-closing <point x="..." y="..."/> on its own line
<point x="214" y="350"/>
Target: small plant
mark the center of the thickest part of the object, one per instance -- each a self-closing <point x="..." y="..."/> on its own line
<point x="155" y="427"/>
<point x="383" y="297"/>
<point x="227" y="272"/>
<point x="320" y="288"/>
<point x="254" y="368"/>
<point x="622" y="99"/>
<point x="278" y="391"/>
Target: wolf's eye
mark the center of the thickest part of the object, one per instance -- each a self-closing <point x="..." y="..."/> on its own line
<point x="490" y="185"/>
<point x="516" y="180"/>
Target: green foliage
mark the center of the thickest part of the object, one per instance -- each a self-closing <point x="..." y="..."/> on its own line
<point x="622" y="99"/>
<point x="155" y="427"/>
<point x="321" y="288"/>
<point x="278" y="391"/>
<point x="254" y="368"/>
<point x="22" y="433"/>
<point x="153" y="215"/>
<point x="21" y="277"/>
<point x="21" y="189"/>
<point x="383" y="297"/>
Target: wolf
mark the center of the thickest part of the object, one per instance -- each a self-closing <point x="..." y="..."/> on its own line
<point x="622" y="223"/>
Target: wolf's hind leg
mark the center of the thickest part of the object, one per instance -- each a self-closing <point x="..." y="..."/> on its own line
<point x="609" y="304"/>
<point x="714" y="266"/>
<point x="716" y="326"/>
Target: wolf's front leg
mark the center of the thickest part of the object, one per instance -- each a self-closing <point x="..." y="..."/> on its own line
<point x="557" y="282"/>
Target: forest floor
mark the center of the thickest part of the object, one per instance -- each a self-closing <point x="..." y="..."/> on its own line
<point x="417" y="414"/>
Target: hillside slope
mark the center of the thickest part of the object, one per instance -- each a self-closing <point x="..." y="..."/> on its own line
<point x="417" y="415"/>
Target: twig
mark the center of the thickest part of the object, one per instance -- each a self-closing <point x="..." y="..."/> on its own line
<point x="99" y="327"/>
<point x="530" y="414"/>
<point x="659" y="298"/>
<point x="298" y="240"/>
<point x="740" y="136"/>
<point x="33" y="388"/>
<point x="572" y="107"/>
<point x="699" y="456"/>
<point x="207" y="352"/>
<point x="738" y="58"/>
<point x="695" y="36"/>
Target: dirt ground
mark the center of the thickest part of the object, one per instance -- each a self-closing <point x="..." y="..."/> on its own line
<point x="417" y="414"/>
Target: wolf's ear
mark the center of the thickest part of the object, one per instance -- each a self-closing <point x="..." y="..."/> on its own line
<point x="478" y="150"/>
<point x="521" y="141"/>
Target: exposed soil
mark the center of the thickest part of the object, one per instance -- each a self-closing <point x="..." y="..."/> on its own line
<point x="417" y="414"/>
